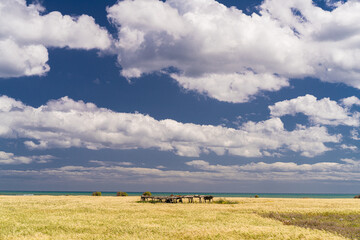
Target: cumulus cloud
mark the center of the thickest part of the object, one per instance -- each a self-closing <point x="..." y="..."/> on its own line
<point x="331" y="36"/>
<point x="22" y="60"/>
<point x="350" y="101"/>
<point x="67" y="123"/>
<point x="213" y="45"/>
<point x="234" y="87"/>
<point x="324" y="111"/>
<point x="10" y="158"/>
<point x="26" y="33"/>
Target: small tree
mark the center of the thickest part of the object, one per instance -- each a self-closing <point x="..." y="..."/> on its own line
<point x="147" y="194"/>
<point x="122" y="194"/>
<point x="96" y="193"/>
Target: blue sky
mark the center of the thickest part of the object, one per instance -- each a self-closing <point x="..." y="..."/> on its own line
<point x="227" y="96"/>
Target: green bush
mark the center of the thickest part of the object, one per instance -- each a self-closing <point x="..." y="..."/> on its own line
<point x="256" y="196"/>
<point x="96" y="193"/>
<point x="357" y="196"/>
<point x="225" y="201"/>
<point x="122" y="194"/>
<point x="147" y="194"/>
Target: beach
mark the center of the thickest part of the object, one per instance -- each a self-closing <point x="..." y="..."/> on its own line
<point x="106" y="217"/>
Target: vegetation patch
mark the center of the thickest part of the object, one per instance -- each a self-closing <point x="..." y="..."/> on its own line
<point x="150" y="201"/>
<point x="347" y="225"/>
<point x="122" y="194"/>
<point x="96" y="193"/>
<point x="225" y="201"/>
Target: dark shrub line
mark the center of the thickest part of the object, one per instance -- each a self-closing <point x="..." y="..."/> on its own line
<point x="347" y="225"/>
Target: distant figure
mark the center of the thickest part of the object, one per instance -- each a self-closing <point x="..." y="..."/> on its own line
<point x="210" y="198"/>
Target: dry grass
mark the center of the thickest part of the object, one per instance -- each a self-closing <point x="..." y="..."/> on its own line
<point x="82" y="217"/>
<point x="347" y="225"/>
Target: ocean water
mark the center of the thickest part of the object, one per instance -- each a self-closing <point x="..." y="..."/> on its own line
<point x="264" y="195"/>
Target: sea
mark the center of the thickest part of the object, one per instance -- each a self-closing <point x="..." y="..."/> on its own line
<point x="245" y="195"/>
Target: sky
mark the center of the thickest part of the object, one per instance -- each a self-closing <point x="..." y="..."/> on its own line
<point x="180" y="95"/>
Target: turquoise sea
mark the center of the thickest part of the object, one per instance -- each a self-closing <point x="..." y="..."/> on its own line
<point x="264" y="195"/>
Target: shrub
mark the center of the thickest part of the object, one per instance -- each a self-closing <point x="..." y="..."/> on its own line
<point x="256" y="196"/>
<point x="96" y="193"/>
<point x="151" y="201"/>
<point x="225" y="201"/>
<point x="122" y="194"/>
<point x="357" y="196"/>
<point x="147" y="194"/>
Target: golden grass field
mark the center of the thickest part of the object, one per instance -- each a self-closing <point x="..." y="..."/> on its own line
<point x="87" y="217"/>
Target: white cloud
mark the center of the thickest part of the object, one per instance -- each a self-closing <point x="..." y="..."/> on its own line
<point x="349" y="147"/>
<point x="204" y="172"/>
<point x="324" y="111"/>
<point x="22" y="60"/>
<point x="354" y="134"/>
<point x="66" y="123"/>
<point x="348" y="170"/>
<point x="333" y="3"/>
<point x="10" y="158"/>
<point x="26" y="33"/>
<point x="350" y="161"/>
<point x="330" y="37"/>
<point x="106" y="163"/>
<point x="266" y="167"/>
<point x="234" y="87"/>
<point x="213" y="45"/>
<point x="350" y="101"/>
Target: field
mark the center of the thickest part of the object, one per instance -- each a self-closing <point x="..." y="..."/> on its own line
<point x="87" y="217"/>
